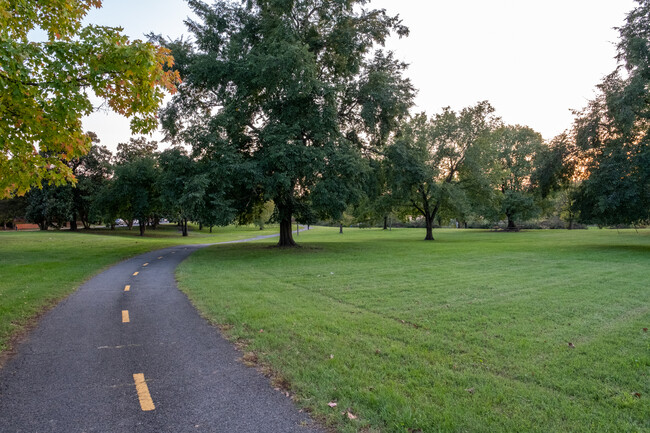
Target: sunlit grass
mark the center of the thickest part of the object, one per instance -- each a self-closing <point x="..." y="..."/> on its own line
<point x="476" y="331"/>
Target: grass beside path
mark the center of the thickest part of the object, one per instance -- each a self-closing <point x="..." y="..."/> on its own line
<point x="475" y="332"/>
<point x="37" y="269"/>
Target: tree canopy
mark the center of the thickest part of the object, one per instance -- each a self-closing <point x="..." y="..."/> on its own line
<point x="43" y="87"/>
<point x="614" y="132"/>
<point x="291" y="94"/>
<point x="518" y="149"/>
<point x="429" y="156"/>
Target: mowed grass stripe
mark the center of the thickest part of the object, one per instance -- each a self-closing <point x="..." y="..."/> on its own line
<point x="491" y="347"/>
<point x="491" y="352"/>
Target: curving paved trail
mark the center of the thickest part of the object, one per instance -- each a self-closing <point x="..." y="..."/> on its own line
<point x="85" y="368"/>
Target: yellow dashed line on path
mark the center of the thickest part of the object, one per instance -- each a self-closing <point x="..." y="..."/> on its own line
<point x="125" y="316"/>
<point x="160" y="257"/>
<point x="145" y="264"/>
<point x="127" y="288"/>
<point x="124" y="346"/>
<point x="146" y="403"/>
<point x="135" y="273"/>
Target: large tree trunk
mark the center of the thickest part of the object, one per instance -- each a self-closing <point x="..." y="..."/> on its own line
<point x="429" y="222"/>
<point x="73" y="222"/>
<point x="285" y="212"/>
<point x="142" y="227"/>
<point x="429" y="215"/>
<point x="184" y="225"/>
<point x="385" y="222"/>
<point x="286" y="235"/>
<point x="340" y="227"/>
<point x="83" y="217"/>
<point x="429" y="218"/>
<point x="511" y="223"/>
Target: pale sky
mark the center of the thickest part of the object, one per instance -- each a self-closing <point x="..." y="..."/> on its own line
<point x="533" y="60"/>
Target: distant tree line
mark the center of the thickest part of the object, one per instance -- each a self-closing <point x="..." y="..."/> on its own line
<point x="293" y="106"/>
<point x="138" y="183"/>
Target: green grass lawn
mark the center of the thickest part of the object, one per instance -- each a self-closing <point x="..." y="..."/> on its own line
<point x="37" y="269"/>
<point x="539" y="331"/>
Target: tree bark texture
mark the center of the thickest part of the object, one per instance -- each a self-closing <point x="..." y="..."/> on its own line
<point x="429" y="222"/>
<point x="286" y="235"/>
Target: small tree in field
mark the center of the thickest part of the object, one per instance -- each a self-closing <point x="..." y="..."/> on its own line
<point x="428" y="157"/>
<point x="518" y="148"/>
<point x="134" y="188"/>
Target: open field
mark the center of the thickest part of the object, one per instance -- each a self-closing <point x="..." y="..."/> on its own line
<point x="37" y="269"/>
<point x="475" y="332"/>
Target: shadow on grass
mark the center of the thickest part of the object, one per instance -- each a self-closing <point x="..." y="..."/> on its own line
<point x="636" y="249"/>
<point x="160" y="232"/>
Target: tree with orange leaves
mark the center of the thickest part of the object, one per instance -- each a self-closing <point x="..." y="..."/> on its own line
<point x="43" y="87"/>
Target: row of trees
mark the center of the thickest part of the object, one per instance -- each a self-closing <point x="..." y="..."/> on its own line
<point x="137" y="184"/>
<point x="299" y="101"/>
<point x="463" y="165"/>
<point x="295" y="103"/>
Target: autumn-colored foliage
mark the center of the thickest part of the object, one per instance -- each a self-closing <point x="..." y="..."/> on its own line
<point x="43" y="87"/>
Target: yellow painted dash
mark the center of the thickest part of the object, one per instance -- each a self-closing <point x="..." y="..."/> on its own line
<point x="135" y="273"/>
<point x="125" y="316"/>
<point x="146" y="403"/>
<point x="127" y="288"/>
<point x="160" y="257"/>
<point x="145" y="264"/>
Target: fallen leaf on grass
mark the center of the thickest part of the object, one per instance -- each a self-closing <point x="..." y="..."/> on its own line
<point x="332" y="356"/>
<point x="572" y="346"/>
<point x="332" y="404"/>
<point x="645" y="329"/>
<point x="470" y="390"/>
<point x="349" y="414"/>
<point x="637" y="394"/>
<point x="250" y="358"/>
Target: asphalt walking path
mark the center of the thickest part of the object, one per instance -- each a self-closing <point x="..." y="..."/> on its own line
<point x="127" y="352"/>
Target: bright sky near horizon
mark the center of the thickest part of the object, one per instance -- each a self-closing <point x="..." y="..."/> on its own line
<point x="534" y="61"/>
